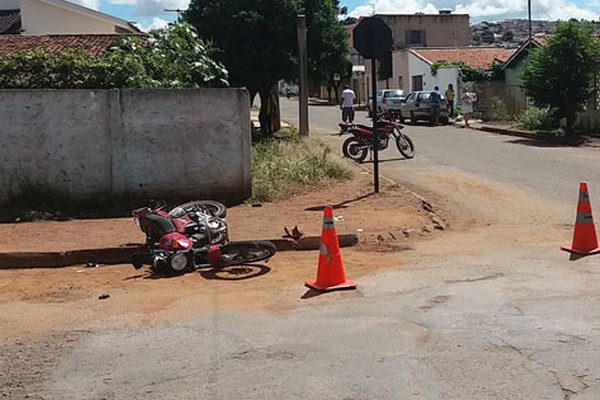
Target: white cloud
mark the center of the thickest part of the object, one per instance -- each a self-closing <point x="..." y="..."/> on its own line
<point x="126" y="2"/>
<point x="490" y="10"/>
<point x="93" y="4"/>
<point x="157" y="23"/>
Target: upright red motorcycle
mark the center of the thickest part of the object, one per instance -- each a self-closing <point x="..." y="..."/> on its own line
<point x="362" y="141"/>
<point x="190" y="236"/>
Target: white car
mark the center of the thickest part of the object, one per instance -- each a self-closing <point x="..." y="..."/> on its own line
<point x="388" y="100"/>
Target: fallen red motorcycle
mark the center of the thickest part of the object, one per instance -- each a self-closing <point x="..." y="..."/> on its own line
<point x="361" y="143"/>
<point x="191" y="236"/>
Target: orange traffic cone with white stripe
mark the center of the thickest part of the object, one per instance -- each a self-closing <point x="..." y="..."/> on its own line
<point x="585" y="241"/>
<point x="330" y="272"/>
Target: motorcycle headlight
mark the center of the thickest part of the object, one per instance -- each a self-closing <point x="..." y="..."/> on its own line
<point x="179" y="262"/>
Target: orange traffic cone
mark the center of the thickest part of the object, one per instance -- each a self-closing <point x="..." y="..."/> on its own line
<point x="585" y="241"/>
<point x="330" y="273"/>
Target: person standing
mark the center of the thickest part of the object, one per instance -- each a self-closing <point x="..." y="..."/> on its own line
<point x="450" y="95"/>
<point x="435" y="99"/>
<point x="467" y="99"/>
<point x="347" y="104"/>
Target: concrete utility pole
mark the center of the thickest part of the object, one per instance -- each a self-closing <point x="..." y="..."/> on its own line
<point x="303" y="66"/>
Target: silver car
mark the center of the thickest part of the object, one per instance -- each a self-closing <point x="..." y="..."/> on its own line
<point x="416" y="107"/>
<point x="388" y="100"/>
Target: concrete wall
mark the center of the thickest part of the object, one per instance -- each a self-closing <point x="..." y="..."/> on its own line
<point x="149" y="143"/>
<point x="441" y="30"/>
<point x="42" y="18"/>
<point x="444" y="76"/>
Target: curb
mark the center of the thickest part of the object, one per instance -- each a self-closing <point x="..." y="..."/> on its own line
<point x="567" y="141"/>
<point x="122" y="255"/>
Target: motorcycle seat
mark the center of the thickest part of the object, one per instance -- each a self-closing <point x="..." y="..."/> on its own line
<point x="155" y="226"/>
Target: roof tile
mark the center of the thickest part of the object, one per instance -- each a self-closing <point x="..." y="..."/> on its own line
<point x="93" y="44"/>
<point x="475" y="57"/>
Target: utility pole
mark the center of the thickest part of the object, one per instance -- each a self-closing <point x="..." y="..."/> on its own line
<point x="529" y="20"/>
<point x="303" y="66"/>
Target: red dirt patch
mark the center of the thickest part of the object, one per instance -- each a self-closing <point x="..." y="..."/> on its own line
<point x="38" y="300"/>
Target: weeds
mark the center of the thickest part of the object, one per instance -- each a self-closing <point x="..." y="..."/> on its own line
<point x="282" y="167"/>
<point x="533" y="118"/>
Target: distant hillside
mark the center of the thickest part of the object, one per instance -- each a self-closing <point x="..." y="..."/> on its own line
<point x="508" y="33"/>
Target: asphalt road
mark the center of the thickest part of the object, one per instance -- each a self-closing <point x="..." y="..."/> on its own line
<point x="552" y="172"/>
<point x="495" y="312"/>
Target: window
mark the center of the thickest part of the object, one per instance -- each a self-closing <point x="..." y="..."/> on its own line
<point x="400" y="82"/>
<point x="417" y="82"/>
<point x="415" y="37"/>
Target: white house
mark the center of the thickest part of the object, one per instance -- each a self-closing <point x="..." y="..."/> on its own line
<point x="411" y="68"/>
<point x="43" y="17"/>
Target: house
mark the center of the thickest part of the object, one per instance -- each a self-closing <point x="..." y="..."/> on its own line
<point x="513" y="67"/>
<point x="511" y="93"/>
<point x="56" y="25"/>
<point x="42" y="17"/>
<point x="443" y="30"/>
<point x="413" y="66"/>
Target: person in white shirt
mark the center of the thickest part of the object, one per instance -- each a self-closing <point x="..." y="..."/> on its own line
<point x="347" y="105"/>
<point x="467" y="99"/>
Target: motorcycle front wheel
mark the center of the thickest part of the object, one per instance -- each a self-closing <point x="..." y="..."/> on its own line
<point x="405" y="145"/>
<point x="210" y="207"/>
<point x="246" y="252"/>
<point x="354" y="149"/>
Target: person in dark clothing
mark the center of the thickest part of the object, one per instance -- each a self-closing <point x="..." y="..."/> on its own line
<point x="435" y="98"/>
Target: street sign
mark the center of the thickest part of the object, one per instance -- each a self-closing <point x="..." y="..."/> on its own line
<point x="336" y="77"/>
<point x="373" y="38"/>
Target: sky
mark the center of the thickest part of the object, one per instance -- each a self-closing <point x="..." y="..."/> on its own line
<point x="150" y="14"/>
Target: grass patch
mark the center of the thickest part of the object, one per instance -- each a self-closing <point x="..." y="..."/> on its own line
<point x="284" y="166"/>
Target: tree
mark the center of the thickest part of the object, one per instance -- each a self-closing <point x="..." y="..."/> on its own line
<point x="259" y="43"/>
<point x="487" y="36"/>
<point x="327" y="43"/>
<point x="257" y="40"/>
<point x="561" y="73"/>
<point x="508" y="36"/>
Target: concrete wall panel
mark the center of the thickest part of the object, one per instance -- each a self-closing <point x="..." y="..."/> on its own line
<point x="54" y="139"/>
<point x="147" y="143"/>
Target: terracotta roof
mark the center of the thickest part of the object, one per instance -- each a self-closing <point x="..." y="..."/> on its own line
<point x="10" y="21"/>
<point x="91" y="43"/>
<point x="475" y="57"/>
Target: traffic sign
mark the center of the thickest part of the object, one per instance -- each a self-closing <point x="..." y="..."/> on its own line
<point x="373" y="38"/>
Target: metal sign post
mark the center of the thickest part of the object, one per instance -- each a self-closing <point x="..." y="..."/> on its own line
<point x="373" y="40"/>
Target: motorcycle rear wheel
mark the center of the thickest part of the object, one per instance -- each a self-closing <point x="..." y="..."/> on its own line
<point x="405" y="145"/>
<point x="211" y="207"/>
<point x="353" y="148"/>
<point x="246" y="252"/>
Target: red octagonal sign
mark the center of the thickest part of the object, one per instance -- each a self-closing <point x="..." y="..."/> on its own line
<point x="373" y="38"/>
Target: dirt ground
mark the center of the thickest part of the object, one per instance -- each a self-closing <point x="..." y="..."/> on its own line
<point x="39" y="302"/>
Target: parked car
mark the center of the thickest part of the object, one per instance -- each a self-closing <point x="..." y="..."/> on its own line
<point x="388" y="100"/>
<point x="416" y="107"/>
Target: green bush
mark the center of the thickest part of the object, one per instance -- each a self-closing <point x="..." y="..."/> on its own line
<point x="282" y="167"/>
<point x="533" y="118"/>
